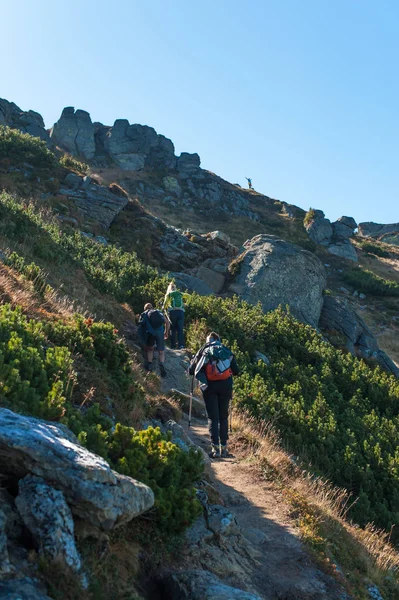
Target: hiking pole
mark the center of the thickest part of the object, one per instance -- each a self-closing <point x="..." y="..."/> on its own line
<point x="191" y="401"/>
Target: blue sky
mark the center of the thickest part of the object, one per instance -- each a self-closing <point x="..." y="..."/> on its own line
<point x="300" y="95"/>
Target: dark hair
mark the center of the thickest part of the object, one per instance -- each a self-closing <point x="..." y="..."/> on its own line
<point x="213" y="335"/>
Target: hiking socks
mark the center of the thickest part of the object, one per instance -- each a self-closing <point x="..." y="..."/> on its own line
<point x="215" y="451"/>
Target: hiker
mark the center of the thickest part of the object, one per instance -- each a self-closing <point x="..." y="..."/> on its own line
<point x="174" y="303"/>
<point x="153" y="330"/>
<point x="214" y="366"/>
<point x="249" y="183"/>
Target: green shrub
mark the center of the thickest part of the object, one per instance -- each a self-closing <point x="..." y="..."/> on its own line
<point x="340" y="415"/>
<point x="69" y="162"/>
<point x="367" y="282"/>
<point x="17" y="147"/>
<point x="310" y="216"/>
<point x="373" y="248"/>
<point x="31" y="272"/>
<point x="36" y="377"/>
<point x="110" y="269"/>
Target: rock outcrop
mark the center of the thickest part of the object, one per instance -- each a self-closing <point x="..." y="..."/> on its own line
<point x="74" y="132"/>
<point x="201" y="585"/>
<point x="334" y="236"/>
<point x="24" y="588"/>
<point x="92" y="490"/>
<point x="27" y="121"/>
<point x="384" y="233"/>
<point x="96" y="203"/>
<point x="338" y="317"/>
<point x="49" y="519"/>
<point x="275" y="272"/>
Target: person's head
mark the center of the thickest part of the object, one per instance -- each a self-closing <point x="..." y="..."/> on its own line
<point x="148" y="306"/>
<point x="213" y="337"/>
<point x="171" y="287"/>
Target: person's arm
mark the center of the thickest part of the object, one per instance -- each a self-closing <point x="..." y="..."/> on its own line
<point x="234" y="367"/>
<point x="166" y="301"/>
<point x="167" y="328"/>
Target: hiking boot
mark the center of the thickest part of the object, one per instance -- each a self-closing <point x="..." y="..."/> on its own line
<point x="162" y="370"/>
<point x="215" y="452"/>
<point x="148" y="366"/>
<point x="224" y="453"/>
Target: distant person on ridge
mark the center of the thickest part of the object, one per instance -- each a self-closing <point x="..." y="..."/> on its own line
<point x="249" y="183"/>
<point x="214" y="366"/>
<point x="153" y="330"/>
<point x="173" y="302"/>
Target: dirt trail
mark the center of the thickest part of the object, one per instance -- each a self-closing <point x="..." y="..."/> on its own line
<point x="286" y="571"/>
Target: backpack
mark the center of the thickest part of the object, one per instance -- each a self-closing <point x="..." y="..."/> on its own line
<point x="154" y="321"/>
<point x="176" y="299"/>
<point x="219" y="361"/>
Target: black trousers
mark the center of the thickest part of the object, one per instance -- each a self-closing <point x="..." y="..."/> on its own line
<point x="217" y="398"/>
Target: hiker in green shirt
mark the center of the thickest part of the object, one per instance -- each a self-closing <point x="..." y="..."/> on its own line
<point x="174" y="303"/>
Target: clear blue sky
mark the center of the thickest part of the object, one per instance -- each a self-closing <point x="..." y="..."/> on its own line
<point x="300" y="95"/>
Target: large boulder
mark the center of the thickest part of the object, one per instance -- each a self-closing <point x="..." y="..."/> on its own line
<point x="273" y="272"/>
<point x="337" y="316"/>
<point x="133" y="147"/>
<point x="376" y="230"/>
<point x="188" y="164"/>
<point x="92" y="489"/>
<point x="49" y="519"/>
<point x="343" y="249"/>
<point x="319" y="228"/>
<point x="201" y="585"/>
<point x="74" y="132"/>
<point x="27" y="121"/>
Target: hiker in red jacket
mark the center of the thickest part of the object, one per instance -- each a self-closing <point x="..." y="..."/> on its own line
<point x="214" y="366"/>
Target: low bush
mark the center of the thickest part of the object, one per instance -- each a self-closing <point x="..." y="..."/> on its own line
<point x="17" y="147"/>
<point x="367" y="282"/>
<point x="337" y="413"/>
<point x="69" y="162"/>
<point x="309" y="217"/>
<point x="109" y="269"/>
<point x="373" y="248"/>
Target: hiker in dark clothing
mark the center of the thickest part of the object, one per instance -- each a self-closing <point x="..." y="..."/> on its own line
<point x="214" y="366"/>
<point x="153" y="330"/>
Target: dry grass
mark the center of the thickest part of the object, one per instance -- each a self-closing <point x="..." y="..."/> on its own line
<point x="356" y="556"/>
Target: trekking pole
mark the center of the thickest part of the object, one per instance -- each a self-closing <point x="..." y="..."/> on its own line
<point x="191" y="401"/>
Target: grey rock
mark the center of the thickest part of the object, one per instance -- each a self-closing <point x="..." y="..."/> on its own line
<point x="93" y="491"/>
<point x="24" y="588"/>
<point x="260" y="356"/>
<point x="221" y="521"/>
<point x="319" y="229"/>
<point x="74" y="181"/>
<point x="275" y="272"/>
<point x="377" y="230"/>
<point x="198" y="532"/>
<point x="338" y="316"/>
<point x="101" y="240"/>
<point x="188" y="164"/>
<point x="14" y="526"/>
<point x="362" y="296"/>
<point x="257" y="537"/>
<point x="49" y="519"/>
<point x="5" y="565"/>
<point x="201" y="585"/>
<point x="172" y="185"/>
<point x="341" y="231"/>
<point x="344" y="250"/>
<point x="212" y="279"/>
<point x="344" y="290"/>
<point x="219" y="235"/>
<point x="348" y="221"/>
<point x="390" y="238"/>
<point x="27" y="121"/>
<point x="192" y="284"/>
<point x="74" y="132"/>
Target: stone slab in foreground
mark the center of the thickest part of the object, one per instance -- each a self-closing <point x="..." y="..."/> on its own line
<point x="92" y="489"/>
